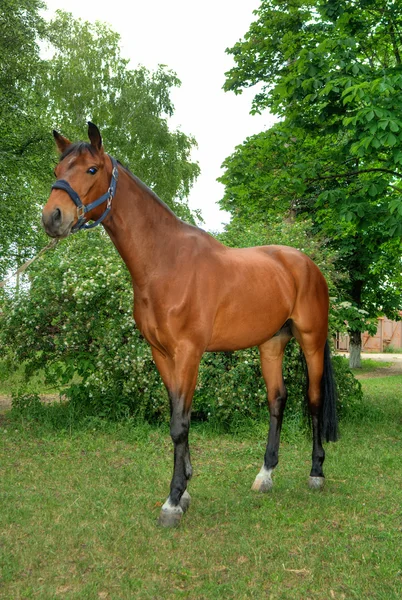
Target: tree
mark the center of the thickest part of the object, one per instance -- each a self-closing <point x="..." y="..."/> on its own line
<point x="22" y="131"/>
<point x="262" y="181"/>
<point x="88" y="79"/>
<point x="332" y="72"/>
<point x="85" y="78"/>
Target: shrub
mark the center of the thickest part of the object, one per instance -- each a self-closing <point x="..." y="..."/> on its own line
<point x="27" y="405"/>
<point x="350" y="394"/>
<point x="231" y="387"/>
<point x="73" y="319"/>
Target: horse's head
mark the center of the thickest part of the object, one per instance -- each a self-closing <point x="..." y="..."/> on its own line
<point x="83" y="175"/>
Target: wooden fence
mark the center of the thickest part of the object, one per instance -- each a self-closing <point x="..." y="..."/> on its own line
<point x="388" y="334"/>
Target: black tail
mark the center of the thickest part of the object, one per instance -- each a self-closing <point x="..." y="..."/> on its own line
<point x="329" y="421"/>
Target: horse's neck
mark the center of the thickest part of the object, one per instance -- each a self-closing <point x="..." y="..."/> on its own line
<point x="142" y="228"/>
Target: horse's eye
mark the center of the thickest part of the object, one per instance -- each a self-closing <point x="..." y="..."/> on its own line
<point x="92" y="170"/>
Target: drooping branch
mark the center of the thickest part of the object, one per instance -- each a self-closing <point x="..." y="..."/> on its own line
<point x="356" y="173"/>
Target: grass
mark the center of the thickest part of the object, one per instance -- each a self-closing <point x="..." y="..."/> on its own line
<point x="392" y="350"/>
<point x="79" y="511"/>
<point x="15" y="382"/>
<point x="369" y="365"/>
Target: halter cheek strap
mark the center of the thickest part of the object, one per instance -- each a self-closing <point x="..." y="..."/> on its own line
<point x="83" y="209"/>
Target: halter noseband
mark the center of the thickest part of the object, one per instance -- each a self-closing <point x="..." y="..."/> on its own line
<point x="82" y="209"/>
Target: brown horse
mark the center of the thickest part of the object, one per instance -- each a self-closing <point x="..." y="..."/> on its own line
<point x="193" y="295"/>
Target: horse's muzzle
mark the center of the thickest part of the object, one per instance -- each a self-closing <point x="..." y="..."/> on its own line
<point x="54" y="224"/>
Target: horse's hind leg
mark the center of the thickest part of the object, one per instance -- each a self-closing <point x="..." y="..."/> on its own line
<point x="271" y="354"/>
<point x="313" y="346"/>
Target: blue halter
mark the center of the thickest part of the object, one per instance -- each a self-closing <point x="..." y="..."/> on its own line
<point x="83" y="209"/>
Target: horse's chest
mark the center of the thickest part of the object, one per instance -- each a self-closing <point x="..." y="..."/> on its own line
<point x="151" y="320"/>
<point x="144" y="315"/>
<point x="165" y="323"/>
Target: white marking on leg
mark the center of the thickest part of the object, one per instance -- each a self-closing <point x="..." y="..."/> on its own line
<point x="186" y="496"/>
<point x="265" y="473"/>
<point x="170" y="515"/>
<point x="168" y="507"/>
<point x="185" y="500"/>
<point x="263" y="482"/>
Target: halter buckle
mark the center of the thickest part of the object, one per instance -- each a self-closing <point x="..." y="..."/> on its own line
<point x="80" y="211"/>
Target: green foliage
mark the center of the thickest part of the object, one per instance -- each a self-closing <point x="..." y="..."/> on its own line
<point x="392" y="350"/>
<point x="75" y="318"/>
<point x="346" y="316"/>
<point x="22" y="131"/>
<point x="88" y="79"/>
<point x="74" y="321"/>
<point x="264" y="183"/>
<point x="27" y="406"/>
<point x="83" y="77"/>
<point x="350" y="394"/>
<point x="332" y="72"/>
<point x="231" y="389"/>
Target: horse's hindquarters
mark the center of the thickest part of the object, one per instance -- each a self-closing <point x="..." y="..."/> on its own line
<point x="256" y="295"/>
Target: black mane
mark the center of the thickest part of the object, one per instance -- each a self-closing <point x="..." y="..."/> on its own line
<point x="78" y="148"/>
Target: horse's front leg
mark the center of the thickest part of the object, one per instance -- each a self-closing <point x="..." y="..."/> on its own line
<point x="179" y="375"/>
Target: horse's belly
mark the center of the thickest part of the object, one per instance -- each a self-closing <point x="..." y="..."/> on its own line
<point x="249" y="326"/>
<point x="256" y="297"/>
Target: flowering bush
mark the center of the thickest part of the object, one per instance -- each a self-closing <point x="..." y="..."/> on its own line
<point x="74" y="321"/>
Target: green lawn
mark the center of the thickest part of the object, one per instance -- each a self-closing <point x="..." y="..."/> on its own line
<point x="79" y="511"/>
<point x="369" y="365"/>
<point x="15" y="382"/>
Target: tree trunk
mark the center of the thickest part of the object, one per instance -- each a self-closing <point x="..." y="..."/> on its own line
<point x="356" y="336"/>
<point x="355" y="349"/>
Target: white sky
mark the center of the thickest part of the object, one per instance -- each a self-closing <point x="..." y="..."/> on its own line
<point x="190" y="38"/>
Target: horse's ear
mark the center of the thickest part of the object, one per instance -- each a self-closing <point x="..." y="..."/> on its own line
<point x="94" y="136"/>
<point x="61" y="142"/>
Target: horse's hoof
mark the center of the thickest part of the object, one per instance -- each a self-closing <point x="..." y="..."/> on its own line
<point x="262" y="485"/>
<point x="263" y="482"/>
<point x="316" y="483"/>
<point x="185" y="501"/>
<point x="171" y="514"/>
<point x="170" y="519"/>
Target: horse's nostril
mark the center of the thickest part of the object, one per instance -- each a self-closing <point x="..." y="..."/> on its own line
<point x="57" y="215"/>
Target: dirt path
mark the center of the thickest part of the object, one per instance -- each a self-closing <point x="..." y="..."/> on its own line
<point x="5" y="401"/>
<point x="395" y="368"/>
